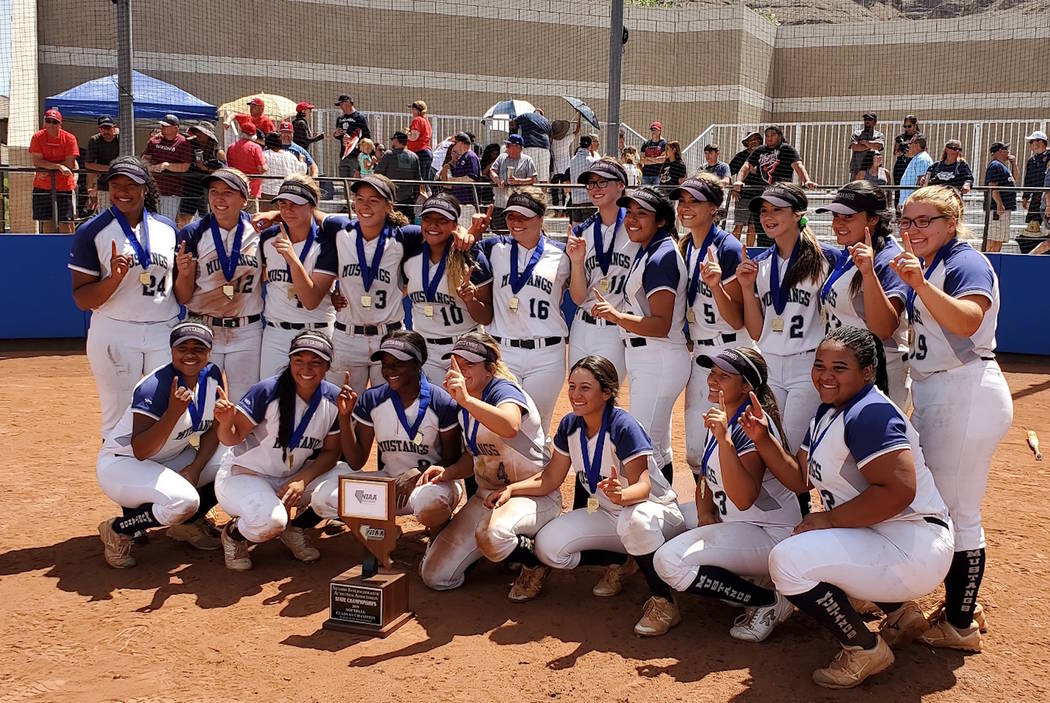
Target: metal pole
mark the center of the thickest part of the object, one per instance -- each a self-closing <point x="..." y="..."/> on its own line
<point x="125" y="94"/>
<point x="615" y="60"/>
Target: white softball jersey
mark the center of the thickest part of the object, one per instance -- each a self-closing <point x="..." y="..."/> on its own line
<point x="213" y="247"/>
<point x="145" y="294"/>
<point x="657" y="267"/>
<point x="402" y="452"/>
<point x="625" y="440"/>
<point x="150" y="398"/>
<point x="499" y="462"/>
<point x="959" y="272"/>
<point x="535" y="310"/>
<point x="705" y="322"/>
<point x="258" y="452"/>
<point x="437" y="311"/>
<point x="378" y="262"/>
<point x="282" y="305"/>
<point x="841" y="442"/>
<point x="799" y="327"/>
<point x="610" y="253"/>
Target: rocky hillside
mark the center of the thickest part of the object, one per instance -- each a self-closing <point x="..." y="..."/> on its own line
<point x="837" y="11"/>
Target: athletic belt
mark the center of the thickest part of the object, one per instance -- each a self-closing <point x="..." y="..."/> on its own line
<point x="936" y="521"/>
<point x="369" y="330"/>
<point x="440" y="340"/>
<point x="298" y="325"/>
<point x="231" y="322"/>
<point x="635" y="342"/>
<point x="530" y="343"/>
<point x="720" y="339"/>
<point x="591" y="320"/>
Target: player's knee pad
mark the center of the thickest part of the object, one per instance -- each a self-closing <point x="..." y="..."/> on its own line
<point x="263" y="528"/>
<point x="639" y="530"/>
<point x="178" y="510"/>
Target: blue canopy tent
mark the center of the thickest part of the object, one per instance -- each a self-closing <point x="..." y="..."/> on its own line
<point x="153" y="99"/>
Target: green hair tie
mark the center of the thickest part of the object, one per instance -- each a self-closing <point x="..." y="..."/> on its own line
<point x="803" y="221"/>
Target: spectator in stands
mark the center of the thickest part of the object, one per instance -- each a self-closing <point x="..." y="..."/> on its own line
<point x="630" y="165"/>
<point x="674" y="170"/>
<point x="864" y="143"/>
<point x="1034" y="175"/>
<point x="752" y="186"/>
<point x="263" y="124"/>
<point x="102" y="148"/>
<point x="463" y="167"/>
<point x="510" y="169"/>
<point x="875" y="172"/>
<point x="419" y="139"/>
<point x="303" y="136"/>
<point x="442" y="156"/>
<point x="715" y="166"/>
<point x="775" y="162"/>
<point x="918" y="164"/>
<point x="1001" y="171"/>
<point x="535" y="130"/>
<point x="952" y="170"/>
<point x="54" y="150"/>
<point x="350" y="127"/>
<point x="366" y="157"/>
<point x="580" y="163"/>
<point x="900" y="151"/>
<point x="280" y="163"/>
<point x="654" y="154"/>
<point x="246" y="156"/>
<point x="168" y="156"/>
<point x="287" y="131"/>
<point x="562" y="137"/>
<point x="488" y="157"/>
<point x="400" y="164"/>
<point x="207" y="157"/>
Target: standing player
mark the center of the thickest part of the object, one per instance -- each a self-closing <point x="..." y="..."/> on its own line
<point x="962" y="404"/>
<point x="530" y="272"/>
<point x="631" y="509"/>
<point x="600" y="253"/>
<point x="220" y="278"/>
<point x="863" y="290"/>
<point x="413" y="423"/>
<point x="883" y="535"/>
<point x="652" y="318"/>
<point x="285" y="438"/>
<point x="743" y="508"/>
<point x="132" y="314"/>
<point x="711" y="256"/>
<point x="299" y="263"/>
<point x="501" y="428"/>
<point x="159" y="462"/>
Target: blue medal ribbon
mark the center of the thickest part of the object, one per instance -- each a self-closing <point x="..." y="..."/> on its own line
<point x="141" y="249"/>
<point x="300" y="429"/>
<point x="430" y="285"/>
<point x="818" y="439"/>
<point x="694" y="279"/>
<point x="593" y="469"/>
<point x="937" y="259"/>
<point x="471" y="436"/>
<point x="310" y="237"/>
<point x="369" y="271"/>
<point x="712" y="441"/>
<point x="228" y="264"/>
<point x="196" y="407"/>
<point x="601" y="254"/>
<point x="424" y="403"/>
<point x="844" y="264"/>
<point x="777" y="291"/>
<point x="518" y="280"/>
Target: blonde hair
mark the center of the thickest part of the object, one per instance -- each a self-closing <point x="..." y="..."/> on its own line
<point x="498" y="367"/>
<point x="305" y="181"/>
<point x="947" y="201"/>
<point x="366" y="145"/>
<point x="630" y="155"/>
<point x="393" y="217"/>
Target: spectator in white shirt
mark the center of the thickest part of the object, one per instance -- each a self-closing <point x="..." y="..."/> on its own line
<point x="280" y="162"/>
<point x="580" y="162"/>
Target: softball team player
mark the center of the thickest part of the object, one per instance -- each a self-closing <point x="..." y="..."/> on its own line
<point x="506" y="443"/>
<point x="863" y="290"/>
<point x="220" y="278"/>
<point x="299" y="262"/>
<point x="600" y="253"/>
<point x="963" y="406"/>
<point x="132" y="314"/>
<point x="744" y="508"/>
<point x="631" y="509"/>
<point x="285" y="438"/>
<point x="159" y="461"/>
<point x="450" y="290"/>
<point x="884" y="534"/>
<point x="414" y="424"/>
<point x="711" y="256"/>
<point x="530" y="272"/>
<point x="652" y="318"/>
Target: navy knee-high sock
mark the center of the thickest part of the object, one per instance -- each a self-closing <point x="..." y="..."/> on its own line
<point x="136" y="520"/>
<point x="525" y="552"/>
<point x="208" y="501"/>
<point x="830" y="606"/>
<point x="716" y="582"/>
<point x="601" y="557"/>
<point x="668" y="472"/>
<point x="961" y="586"/>
<point x="656" y="584"/>
<point x="306" y="519"/>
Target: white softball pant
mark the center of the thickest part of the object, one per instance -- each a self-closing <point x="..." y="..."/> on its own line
<point x="791" y="380"/>
<point x="352" y="353"/>
<point x="696" y="402"/>
<point x="961" y="416"/>
<point x="130" y="483"/>
<point x="120" y="354"/>
<point x="657" y="374"/>
<point x="636" y="529"/>
<point x="253" y="500"/>
<point x="740" y="547"/>
<point x="275" y="344"/>
<point x="236" y="350"/>
<point x="890" y="562"/>
<point x="541" y="373"/>
<point x="431" y="504"/>
<point x="899" y="376"/>
<point x="599" y="338"/>
<point x="476" y="531"/>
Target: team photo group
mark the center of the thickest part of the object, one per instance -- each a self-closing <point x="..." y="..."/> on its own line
<point x="246" y="362"/>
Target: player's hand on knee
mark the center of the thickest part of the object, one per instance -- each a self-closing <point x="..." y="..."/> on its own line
<point x="347" y="397"/>
<point x="119" y="264"/>
<point x="432" y="474"/>
<point x="185" y="263"/>
<point x="612" y="487"/>
<point x="813" y="521"/>
<point x="497" y="498"/>
<point x="292" y="493"/>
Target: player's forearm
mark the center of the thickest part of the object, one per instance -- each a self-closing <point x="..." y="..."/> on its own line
<point x="206" y="450"/>
<point x="882" y="317"/>
<point x="92" y="296"/>
<point x="730" y="310"/>
<point x="650" y="326"/>
<point x="461" y="469"/>
<point x="352" y="450"/>
<point x="740" y="487"/>
<point x="504" y="420"/>
<point x="578" y="284"/>
<point x="539" y="484"/>
<point x="480" y="310"/>
<point x="148" y="442"/>
<point x="310" y="291"/>
<point x="183" y="288"/>
<point x="782" y="464"/>
<point x="876" y="504"/>
<point x="960" y="317"/>
<point x="753" y="317"/>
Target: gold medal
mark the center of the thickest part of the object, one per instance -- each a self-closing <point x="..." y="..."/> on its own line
<point x="144" y="278"/>
<point x="195" y="441"/>
<point x="703" y="487"/>
<point x="291" y="458"/>
<point x="778" y="324"/>
<point x="513" y="303"/>
<point x="366" y="301"/>
<point x="419" y="438"/>
<point x="291" y="292"/>
<point x="428" y="310"/>
<point x="690" y="316"/>
<point x="603" y="285"/>
<point x="227" y="290"/>
<point x="592" y="504"/>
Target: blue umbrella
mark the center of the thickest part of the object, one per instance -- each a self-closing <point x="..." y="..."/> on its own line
<point x="582" y="108"/>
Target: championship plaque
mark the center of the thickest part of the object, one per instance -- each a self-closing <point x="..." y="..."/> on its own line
<point x="368" y="599"/>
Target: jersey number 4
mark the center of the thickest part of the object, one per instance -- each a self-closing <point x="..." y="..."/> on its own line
<point x="154" y="286"/>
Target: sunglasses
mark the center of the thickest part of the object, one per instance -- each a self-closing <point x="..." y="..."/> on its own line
<point x="51" y="121"/>
<point x="953" y="148"/>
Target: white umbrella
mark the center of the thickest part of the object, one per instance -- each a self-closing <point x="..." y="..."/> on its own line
<point x="499" y="115"/>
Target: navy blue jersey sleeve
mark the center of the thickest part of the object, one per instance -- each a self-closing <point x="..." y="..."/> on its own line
<point x="831" y="256"/>
<point x="150" y="397"/>
<point x="411" y="246"/>
<point x="488" y="243"/>
<point x="730" y="254"/>
<point x="369" y="401"/>
<point x="446" y="409"/>
<point x="967" y="272"/>
<point x="191" y="234"/>
<point x="561" y="437"/>
<point x="873" y="427"/>
<point x="411" y="236"/>
<point x="272" y="231"/>
<point x="258" y="397"/>
<point x="214" y="372"/>
<point x="83" y="253"/>
<point x="501" y="391"/>
<point x="328" y="258"/>
<point x="741" y="442"/>
<point x="482" y="271"/>
<point x="628" y="436"/>
<point x="662" y="271"/>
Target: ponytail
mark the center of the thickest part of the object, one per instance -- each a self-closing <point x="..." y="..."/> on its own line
<point x="286" y="394"/>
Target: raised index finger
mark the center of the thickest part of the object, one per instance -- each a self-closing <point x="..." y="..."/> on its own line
<point x="182" y="247"/>
<point x="114" y="243"/>
<point x="455" y="364"/>
<point x="222" y="393"/>
<point x="711" y="252"/>
<point x="906" y="242"/>
<point x="867" y="236"/>
<point x="755" y="405"/>
<point x="722" y="401"/>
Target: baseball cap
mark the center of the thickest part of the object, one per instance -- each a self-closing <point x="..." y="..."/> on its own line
<point x="312" y="341"/>
<point x="779" y="196"/>
<point x="419" y="105"/>
<point x="53" y="114"/>
<point x="515" y="139"/>
<point x="245" y="124"/>
<point x="750" y="136"/>
<point x="732" y="361"/>
<point x="401" y="349"/>
<point x="230" y="178"/>
<point x="470" y="349"/>
<point x="698" y="189"/>
<point x="190" y="330"/>
<point x="378" y="184"/>
<point x="106" y="121"/>
<point x="205" y="128"/>
<point x="463" y="137"/>
<point x="998" y="146"/>
<point x="849" y="202"/>
<point x="133" y="169"/>
<point x="169" y="120"/>
<point x="295" y="192"/>
<point x="300" y="107"/>
<point x="441" y="206"/>
<point x="343" y="99"/>
<point x="656" y="125"/>
<point x="1035" y="136"/>
<point x="286" y="126"/>
<point x="870" y="116"/>
<point x="525" y="206"/>
<point x="608" y="170"/>
<point x="648" y="199"/>
<point x="256" y="102"/>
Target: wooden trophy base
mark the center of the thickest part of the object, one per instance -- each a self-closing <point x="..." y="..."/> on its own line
<point x="368" y="605"/>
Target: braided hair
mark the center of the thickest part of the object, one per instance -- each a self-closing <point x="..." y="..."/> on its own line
<point x="866" y="348"/>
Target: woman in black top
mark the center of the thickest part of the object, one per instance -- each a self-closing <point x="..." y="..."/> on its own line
<point x="952" y="170"/>
<point x="674" y="170"/>
<point x="302" y="135"/>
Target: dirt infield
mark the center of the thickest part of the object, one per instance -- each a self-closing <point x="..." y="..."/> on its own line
<point x="180" y="627"/>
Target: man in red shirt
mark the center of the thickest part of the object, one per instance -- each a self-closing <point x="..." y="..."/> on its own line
<point x="262" y="123"/>
<point x="168" y="156"/>
<point x="55" y="152"/>
<point x="247" y="156"/>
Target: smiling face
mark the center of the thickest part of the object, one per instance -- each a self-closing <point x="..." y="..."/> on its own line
<point x="297" y="217"/>
<point x="779" y="221"/>
<point x="514" y="151"/>
<point x="603" y="192"/>
<point x="586" y="394"/>
<point x="225" y="202"/>
<point x="437" y="229"/>
<point x="926" y="241"/>
<point x="127" y="195"/>
<point x="398" y="374"/>
<point x="641" y="225"/>
<point x="849" y="229"/>
<point x="370" y="207"/>
<point x="696" y="214"/>
<point x="524" y="229"/>
<point x="190" y="357"/>
<point x="308" y="371"/>
<point x="732" y="386"/>
<point x="837" y="374"/>
<point x="476" y="375"/>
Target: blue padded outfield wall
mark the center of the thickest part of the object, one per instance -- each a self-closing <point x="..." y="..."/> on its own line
<point x="37" y="302"/>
